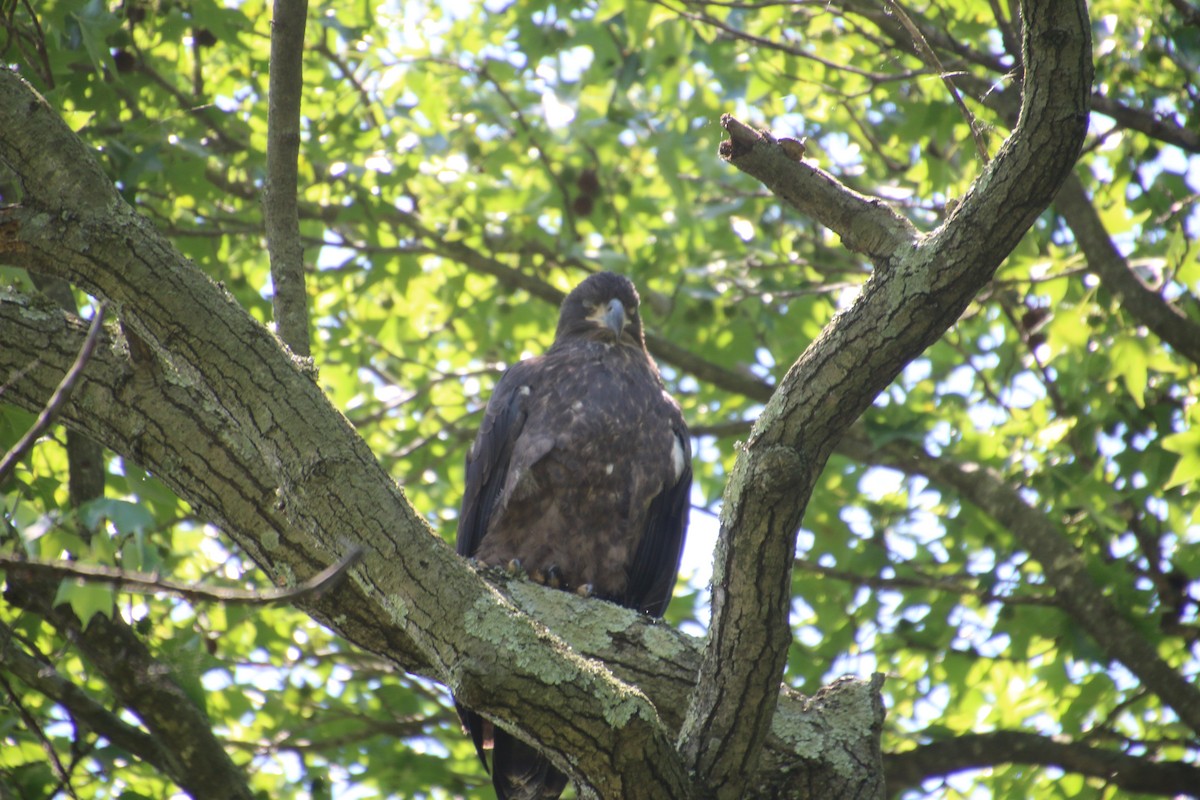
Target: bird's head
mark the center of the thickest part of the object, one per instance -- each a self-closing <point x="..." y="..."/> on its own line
<point x="603" y="307"/>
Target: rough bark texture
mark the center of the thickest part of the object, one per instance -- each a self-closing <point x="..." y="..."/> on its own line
<point x="204" y="397"/>
<point x="920" y="287"/>
<point x="170" y="429"/>
<point x="196" y="391"/>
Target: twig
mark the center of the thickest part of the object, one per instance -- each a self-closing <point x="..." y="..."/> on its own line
<point x="900" y="582"/>
<point x="56" y="765"/>
<point x="24" y="661"/>
<point x="143" y="583"/>
<point x="56" y="401"/>
<point x="930" y="57"/>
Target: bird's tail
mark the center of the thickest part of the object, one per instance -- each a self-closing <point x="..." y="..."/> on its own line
<point x="519" y="772"/>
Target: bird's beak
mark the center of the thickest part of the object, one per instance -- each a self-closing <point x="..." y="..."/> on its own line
<point x="614" y="316"/>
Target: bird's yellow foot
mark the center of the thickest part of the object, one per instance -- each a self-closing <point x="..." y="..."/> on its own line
<point x="551" y="576"/>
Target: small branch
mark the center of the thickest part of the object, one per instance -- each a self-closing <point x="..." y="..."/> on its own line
<point x="85" y="458"/>
<point x="1147" y="306"/>
<point x="1066" y="570"/>
<point x="927" y="54"/>
<point x="947" y="585"/>
<point x="867" y="225"/>
<point x="147" y="688"/>
<point x="56" y="401"/>
<point x="513" y="278"/>
<point x="764" y="43"/>
<point x="143" y="583"/>
<point x="31" y="723"/>
<point x="337" y="59"/>
<point x="280" y="212"/>
<point x="37" y="673"/>
<point x="1146" y="121"/>
<point x="1130" y="774"/>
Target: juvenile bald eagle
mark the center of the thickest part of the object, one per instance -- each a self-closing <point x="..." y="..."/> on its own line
<point x="580" y="474"/>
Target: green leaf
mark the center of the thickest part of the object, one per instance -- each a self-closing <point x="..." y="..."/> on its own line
<point x="1128" y="360"/>
<point x="86" y="599"/>
<point x="1187" y="446"/>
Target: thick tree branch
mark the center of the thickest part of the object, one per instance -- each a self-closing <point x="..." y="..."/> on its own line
<point x="911" y="299"/>
<point x="1131" y="774"/>
<point x="602" y="731"/>
<point x="280" y="214"/>
<point x="1072" y="202"/>
<point x="174" y="430"/>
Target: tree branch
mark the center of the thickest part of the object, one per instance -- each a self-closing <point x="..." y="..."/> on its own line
<point x="142" y="583"/>
<point x="41" y="676"/>
<point x="1147" y="121"/>
<point x="867" y="225"/>
<point x="61" y="393"/>
<point x="1147" y="307"/>
<point x="280" y="213"/>
<point x="85" y="458"/>
<point x="1065" y="567"/>
<point x="175" y="431"/>
<point x="908" y="303"/>
<point x="197" y="761"/>
<point x="31" y="724"/>
<point x="928" y="55"/>
<point x="1131" y="774"/>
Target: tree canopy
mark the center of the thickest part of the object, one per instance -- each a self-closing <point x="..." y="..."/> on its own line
<point x="933" y="325"/>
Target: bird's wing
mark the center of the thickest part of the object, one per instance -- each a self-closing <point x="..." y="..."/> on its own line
<point x="488" y="460"/>
<point x="656" y="563"/>
<point x="487" y="471"/>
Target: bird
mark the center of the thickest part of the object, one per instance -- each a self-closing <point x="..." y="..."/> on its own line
<point x="579" y="478"/>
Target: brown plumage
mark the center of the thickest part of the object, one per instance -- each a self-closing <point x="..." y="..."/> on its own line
<point x="580" y="473"/>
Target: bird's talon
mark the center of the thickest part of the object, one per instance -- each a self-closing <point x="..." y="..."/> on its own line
<point x="513" y="567"/>
<point x="584" y="590"/>
<point x="554" y="578"/>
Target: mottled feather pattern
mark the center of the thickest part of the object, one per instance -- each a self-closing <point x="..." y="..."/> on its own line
<point x="582" y="469"/>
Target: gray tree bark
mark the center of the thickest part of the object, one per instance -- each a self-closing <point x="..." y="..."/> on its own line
<point x="207" y="399"/>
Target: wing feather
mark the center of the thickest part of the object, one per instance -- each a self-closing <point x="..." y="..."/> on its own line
<point x="487" y="471"/>
<point x="656" y="562"/>
<point x="488" y="461"/>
